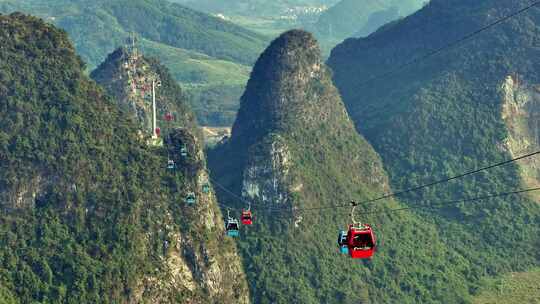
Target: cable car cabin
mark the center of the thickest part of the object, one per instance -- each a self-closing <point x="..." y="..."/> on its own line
<point x="232" y="227"/>
<point x="183" y="151"/>
<point x="206" y="188"/>
<point x="342" y="242"/>
<point x="170" y="164"/>
<point x="190" y="198"/>
<point x="361" y="241"/>
<point x="247" y="218"/>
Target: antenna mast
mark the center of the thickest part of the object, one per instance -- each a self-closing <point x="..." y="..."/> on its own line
<point x="154" y="121"/>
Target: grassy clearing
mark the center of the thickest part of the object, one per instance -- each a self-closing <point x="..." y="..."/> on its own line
<point x="191" y="68"/>
<point x="516" y="287"/>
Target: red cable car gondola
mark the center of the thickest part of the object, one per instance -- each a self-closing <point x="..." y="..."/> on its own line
<point x="361" y="240"/>
<point x="247" y="218"/>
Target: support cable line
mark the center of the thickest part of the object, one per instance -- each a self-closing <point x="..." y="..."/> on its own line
<point x="399" y="68"/>
<point x="442" y="181"/>
<point x="389" y="195"/>
<point x="451" y="44"/>
<point x="239" y="197"/>
<point x="430" y="207"/>
<point x="448" y="203"/>
<point x="455" y="202"/>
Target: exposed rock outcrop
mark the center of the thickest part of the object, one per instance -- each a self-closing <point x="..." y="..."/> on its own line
<point x="267" y="172"/>
<point x="521" y="113"/>
<point x="199" y="256"/>
<point x="130" y="78"/>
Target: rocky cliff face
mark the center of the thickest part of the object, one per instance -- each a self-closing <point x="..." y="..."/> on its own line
<point x="521" y="114"/>
<point x="101" y="217"/>
<point x="128" y="77"/>
<point x="198" y="256"/>
<point x="266" y="176"/>
<point x="23" y="193"/>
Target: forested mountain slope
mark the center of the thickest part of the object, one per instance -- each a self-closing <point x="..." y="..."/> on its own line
<point x="89" y="214"/>
<point x="350" y="18"/>
<point x="467" y="107"/>
<point x="293" y="147"/>
<point x="209" y="56"/>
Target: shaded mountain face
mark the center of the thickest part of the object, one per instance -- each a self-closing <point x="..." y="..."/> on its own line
<point x="89" y="212"/>
<point x="293" y="147"/>
<point x="350" y="18"/>
<point x="470" y="106"/>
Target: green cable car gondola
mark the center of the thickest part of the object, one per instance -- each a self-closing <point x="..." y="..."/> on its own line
<point x="191" y="199"/>
<point x="183" y="151"/>
<point x="231" y="226"/>
<point x="206" y="188"/>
